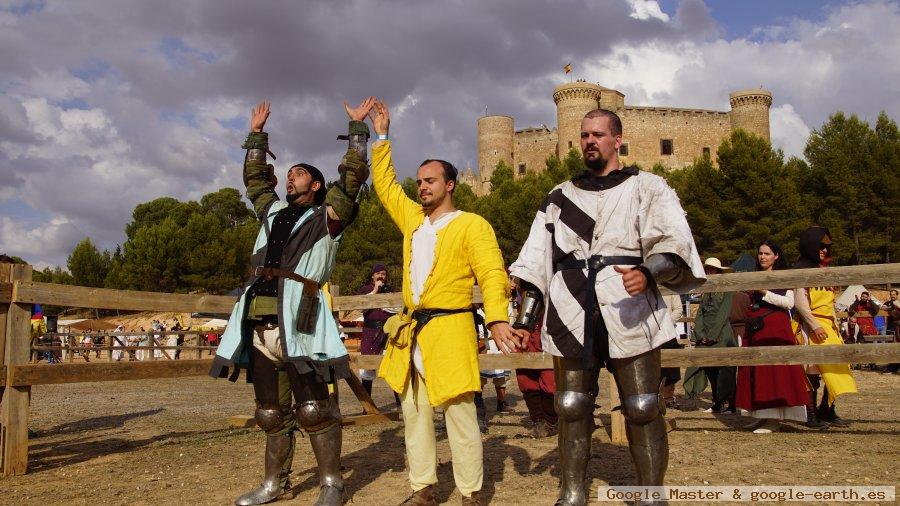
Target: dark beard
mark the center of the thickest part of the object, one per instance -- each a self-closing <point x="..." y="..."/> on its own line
<point x="597" y="164"/>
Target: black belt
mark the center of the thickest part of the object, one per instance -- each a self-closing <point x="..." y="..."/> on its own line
<point x="423" y="316"/>
<point x="594" y="264"/>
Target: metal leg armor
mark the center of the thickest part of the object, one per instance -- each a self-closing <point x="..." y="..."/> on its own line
<point x="638" y="381"/>
<point x="321" y="419"/>
<point x="574" y="404"/>
<point x="279" y="456"/>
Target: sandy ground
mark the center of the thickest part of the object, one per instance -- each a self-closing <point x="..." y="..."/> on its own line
<point x="168" y="442"/>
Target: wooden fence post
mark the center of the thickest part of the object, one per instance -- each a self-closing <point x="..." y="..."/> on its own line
<point x="616" y="419"/>
<point x="14" y="408"/>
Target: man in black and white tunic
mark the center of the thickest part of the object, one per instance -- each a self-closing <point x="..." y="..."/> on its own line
<point x="599" y="246"/>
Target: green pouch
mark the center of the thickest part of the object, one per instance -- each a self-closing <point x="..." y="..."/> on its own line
<point x="262" y="306"/>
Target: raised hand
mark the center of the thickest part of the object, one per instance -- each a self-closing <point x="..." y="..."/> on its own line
<point x="359" y="112"/>
<point x="381" y="118"/>
<point x="258" y="116"/>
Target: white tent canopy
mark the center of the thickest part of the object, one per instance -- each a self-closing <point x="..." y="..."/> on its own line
<point x="851" y="293"/>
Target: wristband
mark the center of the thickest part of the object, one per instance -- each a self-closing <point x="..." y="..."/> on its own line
<point x="381" y="137"/>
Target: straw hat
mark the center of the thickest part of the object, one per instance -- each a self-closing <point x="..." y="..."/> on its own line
<point x="716" y="264"/>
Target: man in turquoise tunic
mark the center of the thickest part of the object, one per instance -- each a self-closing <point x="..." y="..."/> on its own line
<point x="280" y="331"/>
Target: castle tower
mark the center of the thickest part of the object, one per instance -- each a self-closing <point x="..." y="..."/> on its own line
<point x="496" y="142"/>
<point x="750" y="111"/>
<point x="573" y="101"/>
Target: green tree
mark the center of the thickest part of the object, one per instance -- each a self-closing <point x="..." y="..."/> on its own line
<point x="372" y="238"/>
<point x="88" y="266"/>
<point x="753" y="195"/>
<point x="851" y="185"/>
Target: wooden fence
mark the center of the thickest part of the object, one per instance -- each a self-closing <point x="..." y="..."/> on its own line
<point x="18" y="292"/>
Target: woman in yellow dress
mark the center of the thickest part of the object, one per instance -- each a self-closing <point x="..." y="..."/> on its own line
<point x="816" y="325"/>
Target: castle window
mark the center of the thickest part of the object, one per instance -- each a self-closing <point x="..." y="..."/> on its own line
<point x="666" y="147"/>
<point x="570" y="144"/>
<point x="706" y="153"/>
<point x="521" y="169"/>
<point x="623" y="150"/>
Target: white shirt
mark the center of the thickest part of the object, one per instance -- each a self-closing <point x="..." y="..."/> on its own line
<point x="424" y="242"/>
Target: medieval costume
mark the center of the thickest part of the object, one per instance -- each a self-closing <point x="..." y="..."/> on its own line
<point x="712" y="329"/>
<point x="373" y="339"/>
<point x="815" y="310"/>
<point x="280" y="330"/>
<point x="538" y="387"/>
<point x="583" y="229"/>
<point x="432" y="353"/>
<point x="771" y="392"/>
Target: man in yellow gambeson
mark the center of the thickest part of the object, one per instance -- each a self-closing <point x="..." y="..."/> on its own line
<point x="431" y="358"/>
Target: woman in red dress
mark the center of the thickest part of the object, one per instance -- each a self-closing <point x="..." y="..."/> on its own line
<point x="771" y="393"/>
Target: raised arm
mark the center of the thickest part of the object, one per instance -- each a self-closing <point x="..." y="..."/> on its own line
<point x="384" y="179"/>
<point x="341" y="198"/>
<point x="259" y="177"/>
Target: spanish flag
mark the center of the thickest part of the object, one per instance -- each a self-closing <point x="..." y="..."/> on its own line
<point x="568" y="68"/>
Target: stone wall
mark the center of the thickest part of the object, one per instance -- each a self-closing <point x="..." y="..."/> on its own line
<point x="532" y="147"/>
<point x="495" y="143"/>
<point x="690" y="130"/>
<point x="573" y="101"/>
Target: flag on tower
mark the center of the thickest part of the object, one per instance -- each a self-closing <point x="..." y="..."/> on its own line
<point x="568" y="68"/>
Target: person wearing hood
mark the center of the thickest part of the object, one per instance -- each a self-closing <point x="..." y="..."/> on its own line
<point x="815" y="325"/>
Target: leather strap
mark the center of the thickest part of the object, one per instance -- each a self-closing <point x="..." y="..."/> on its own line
<point x="309" y="286"/>
<point x="423" y="316"/>
<point x="594" y="264"/>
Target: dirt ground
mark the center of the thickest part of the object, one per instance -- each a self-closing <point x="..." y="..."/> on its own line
<point x="168" y="442"/>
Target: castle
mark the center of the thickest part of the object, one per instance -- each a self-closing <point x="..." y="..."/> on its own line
<point x="673" y="137"/>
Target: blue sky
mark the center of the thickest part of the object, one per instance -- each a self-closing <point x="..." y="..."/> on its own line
<point x="105" y="108"/>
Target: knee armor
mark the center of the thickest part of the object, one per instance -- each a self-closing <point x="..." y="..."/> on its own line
<point x="316" y="416"/>
<point x="270" y="420"/>
<point x="641" y="409"/>
<point x="572" y="406"/>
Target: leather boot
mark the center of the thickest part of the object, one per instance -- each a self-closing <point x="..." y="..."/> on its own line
<point x="574" y="455"/>
<point x="422" y="497"/>
<point x="472" y="500"/>
<point x="812" y="416"/>
<point x="830" y="416"/>
<point x="279" y="454"/>
<point x="326" y="446"/>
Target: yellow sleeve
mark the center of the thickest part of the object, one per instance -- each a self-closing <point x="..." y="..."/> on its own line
<point x="389" y="191"/>
<point x="487" y="264"/>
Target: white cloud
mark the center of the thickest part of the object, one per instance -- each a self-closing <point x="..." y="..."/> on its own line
<point x="55" y="239"/>
<point x="845" y="62"/>
<point x="646" y="9"/>
<point x="789" y="131"/>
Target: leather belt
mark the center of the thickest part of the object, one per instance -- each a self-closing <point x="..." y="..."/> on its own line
<point x="309" y="286"/>
<point x="594" y="264"/>
<point x="423" y="316"/>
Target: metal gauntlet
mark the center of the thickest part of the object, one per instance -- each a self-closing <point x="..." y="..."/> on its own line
<point x="257" y="145"/>
<point x="357" y="137"/>
<point x="662" y="268"/>
<point x="532" y="302"/>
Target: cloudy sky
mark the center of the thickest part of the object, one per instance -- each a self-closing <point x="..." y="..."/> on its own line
<point x="104" y="105"/>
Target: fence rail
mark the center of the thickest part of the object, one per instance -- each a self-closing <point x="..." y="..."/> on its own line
<point x="18" y="292"/>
